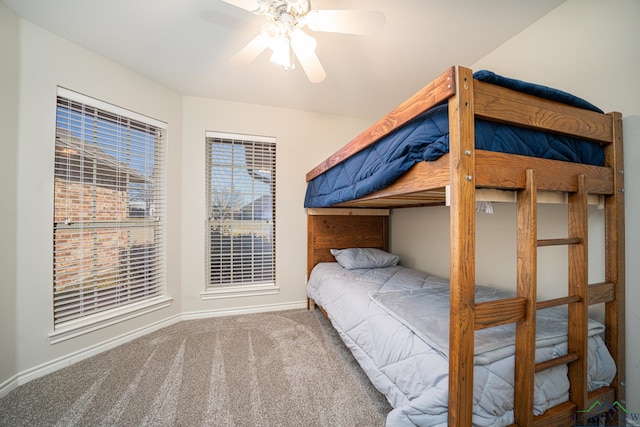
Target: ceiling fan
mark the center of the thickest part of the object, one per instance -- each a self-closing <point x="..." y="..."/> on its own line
<point x="283" y="34"/>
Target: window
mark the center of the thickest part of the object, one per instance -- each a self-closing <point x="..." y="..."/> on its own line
<point x="108" y="226"/>
<point x="241" y="213"/>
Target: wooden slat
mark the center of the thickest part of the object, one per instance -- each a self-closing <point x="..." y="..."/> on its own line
<point x="555" y="302"/>
<point x="325" y="232"/>
<point x="342" y="211"/>
<point x="499" y="312"/>
<point x="601" y="292"/>
<point x="462" y="251"/>
<point x="552" y="363"/>
<point x="339" y="231"/>
<point x="558" y="242"/>
<point x="544" y="197"/>
<point x="436" y="197"/>
<point x="432" y="94"/>
<point x="615" y="259"/>
<point x="578" y="314"/>
<point x="396" y="202"/>
<point x="598" y="402"/>
<point x="504" y="105"/>
<point x="508" y="171"/>
<point x="601" y="395"/>
<point x="527" y="234"/>
<point x="564" y="414"/>
<point x="558" y="416"/>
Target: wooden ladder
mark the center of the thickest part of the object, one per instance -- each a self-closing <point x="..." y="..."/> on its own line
<point x="576" y="299"/>
<point x="467" y="316"/>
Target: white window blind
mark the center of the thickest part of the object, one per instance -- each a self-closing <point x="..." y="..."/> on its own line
<point x="241" y="172"/>
<point x="109" y="206"/>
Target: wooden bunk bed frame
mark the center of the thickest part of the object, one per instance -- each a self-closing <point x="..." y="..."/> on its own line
<point x="364" y="223"/>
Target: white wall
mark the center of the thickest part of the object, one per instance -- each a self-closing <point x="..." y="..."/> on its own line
<point x="46" y="61"/>
<point x="9" y="77"/>
<point x="302" y="138"/>
<point x="590" y="48"/>
<point x="38" y="62"/>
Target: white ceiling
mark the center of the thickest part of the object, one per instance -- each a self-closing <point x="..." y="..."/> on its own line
<point x="186" y="45"/>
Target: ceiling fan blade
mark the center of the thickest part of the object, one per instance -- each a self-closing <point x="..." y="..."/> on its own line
<point x="250" y="5"/>
<point x="312" y="67"/>
<point x="303" y="46"/>
<point x="250" y="52"/>
<point x="362" y="22"/>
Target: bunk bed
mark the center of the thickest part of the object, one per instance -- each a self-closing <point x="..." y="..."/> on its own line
<point x="462" y="170"/>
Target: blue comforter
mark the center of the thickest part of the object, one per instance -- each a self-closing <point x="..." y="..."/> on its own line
<point x="426" y="138"/>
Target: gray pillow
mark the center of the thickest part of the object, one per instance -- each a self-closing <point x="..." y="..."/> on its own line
<point x="354" y="258"/>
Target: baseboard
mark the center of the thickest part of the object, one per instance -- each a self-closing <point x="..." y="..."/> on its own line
<point x="69" y="359"/>
<point x="243" y="310"/>
<point x="8" y="385"/>
<point x="64" y="361"/>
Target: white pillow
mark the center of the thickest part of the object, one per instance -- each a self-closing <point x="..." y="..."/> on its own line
<point x="354" y="258"/>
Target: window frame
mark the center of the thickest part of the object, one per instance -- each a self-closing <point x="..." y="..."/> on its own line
<point x="231" y="290"/>
<point x="151" y="223"/>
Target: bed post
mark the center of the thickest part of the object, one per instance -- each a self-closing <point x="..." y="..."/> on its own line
<point x="615" y="259"/>
<point x="462" y="255"/>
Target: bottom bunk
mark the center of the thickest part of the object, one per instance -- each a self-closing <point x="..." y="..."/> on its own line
<point x="395" y="322"/>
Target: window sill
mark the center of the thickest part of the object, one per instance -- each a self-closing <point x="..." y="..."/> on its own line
<point x="98" y="321"/>
<point x="239" y="291"/>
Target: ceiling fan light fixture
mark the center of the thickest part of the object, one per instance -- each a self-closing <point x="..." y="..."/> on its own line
<point x="284" y="36"/>
<point x="303" y="44"/>
<point x="282" y="53"/>
<point x="270" y="31"/>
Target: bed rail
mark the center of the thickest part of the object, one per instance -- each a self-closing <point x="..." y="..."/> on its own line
<point x="440" y="89"/>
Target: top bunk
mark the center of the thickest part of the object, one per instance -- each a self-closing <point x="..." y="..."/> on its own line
<point x="481" y="129"/>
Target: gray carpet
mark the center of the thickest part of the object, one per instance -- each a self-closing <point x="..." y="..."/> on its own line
<point x="285" y="368"/>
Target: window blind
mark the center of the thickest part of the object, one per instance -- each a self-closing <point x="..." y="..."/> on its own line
<point x="241" y="172"/>
<point x="109" y="205"/>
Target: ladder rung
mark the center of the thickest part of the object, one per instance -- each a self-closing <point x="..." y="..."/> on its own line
<point x="564" y="413"/>
<point x="552" y="363"/>
<point x="601" y="292"/>
<point x="541" y="305"/>
<point x="498" y="312"/>
<point x="558" y="242"/>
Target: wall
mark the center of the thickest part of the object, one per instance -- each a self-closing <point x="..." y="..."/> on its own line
<point x="589" y="48"/>
<point x="301" y="140"/>
<point x="595" y="56"/>
<point x="9" y="78"/>
<point x="46" y="61"/>
<point x="38" y="61"/>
